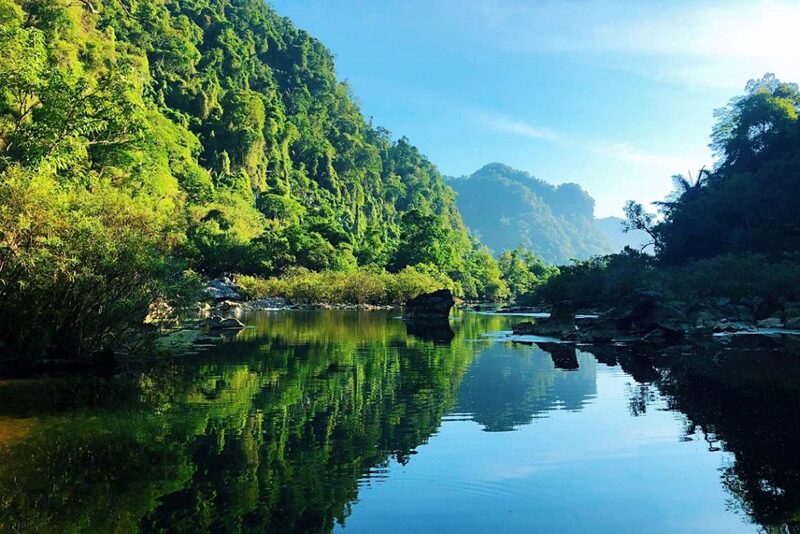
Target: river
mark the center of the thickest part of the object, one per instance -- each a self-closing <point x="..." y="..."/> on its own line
<point x="320" y="421"/>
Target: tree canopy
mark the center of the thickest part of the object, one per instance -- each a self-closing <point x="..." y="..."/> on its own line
<point x="141" y="139"/>
<point x="748" y="202"/>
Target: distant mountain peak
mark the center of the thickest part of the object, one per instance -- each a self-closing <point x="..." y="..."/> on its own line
<point x="508" y="208"/>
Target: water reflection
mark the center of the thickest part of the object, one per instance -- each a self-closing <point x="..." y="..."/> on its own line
<point x="510" y="385"/>
<point x="278" y="429"/>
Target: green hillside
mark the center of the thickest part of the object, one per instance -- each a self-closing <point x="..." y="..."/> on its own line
<point x="141" y="138"/>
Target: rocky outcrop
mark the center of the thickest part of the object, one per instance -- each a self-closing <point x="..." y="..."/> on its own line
<point x="433" y="306"/>
<point x="647" y="318"/>
<point x="222" y="288"/>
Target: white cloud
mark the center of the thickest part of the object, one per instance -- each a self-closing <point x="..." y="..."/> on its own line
<point x="618" y="150"/>
<point x="718" y="44"/>
<point x="506" y="124"/>
<point x="624" y="151"/>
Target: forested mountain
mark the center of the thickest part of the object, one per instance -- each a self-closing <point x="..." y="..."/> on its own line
<point x="507" y="208"/>
<point x="141" y="138"/>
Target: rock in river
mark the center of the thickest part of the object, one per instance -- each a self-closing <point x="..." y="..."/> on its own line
<point x="215" y="322"/>
<point x="430" y="306"/>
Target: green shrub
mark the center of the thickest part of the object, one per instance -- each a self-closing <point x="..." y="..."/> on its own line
<point x="608" y="280"/>
<point x="78" y="268"/>
<point x="357" y="286"/>
<point x="598" y="280"/>
<point x="747" y="276"/>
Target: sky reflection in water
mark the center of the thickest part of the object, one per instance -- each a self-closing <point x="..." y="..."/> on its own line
<point x="320" y="421"/>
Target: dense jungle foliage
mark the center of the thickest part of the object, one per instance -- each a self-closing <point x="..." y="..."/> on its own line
<point x="140" y="140"/>
<point x="733" y="231"/>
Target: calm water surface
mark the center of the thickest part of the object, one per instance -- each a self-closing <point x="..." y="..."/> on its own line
<point x="346" y="421"/>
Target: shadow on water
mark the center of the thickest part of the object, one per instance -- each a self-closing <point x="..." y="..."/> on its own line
<point x="273" y="430"/>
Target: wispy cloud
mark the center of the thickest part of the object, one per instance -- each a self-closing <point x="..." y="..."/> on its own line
<point x="617" y="150"/>
<point x="714" y="43"/>
<point x="510" y="125"/>
<point x="624" y="151"/>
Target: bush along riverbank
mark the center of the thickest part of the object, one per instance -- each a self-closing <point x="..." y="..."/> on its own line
<point x="300" y="288"/>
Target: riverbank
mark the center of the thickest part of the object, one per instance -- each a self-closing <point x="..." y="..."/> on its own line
<point x="649" y="318"/>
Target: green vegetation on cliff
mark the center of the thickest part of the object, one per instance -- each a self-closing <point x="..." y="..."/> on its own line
<point x="138" y="140"/>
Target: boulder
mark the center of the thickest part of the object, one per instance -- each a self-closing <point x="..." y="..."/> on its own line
<point x="702" y="321"/>
<point x="645" y="315"/>
<point x="662" y="316"/>
<point x="596" y="333"/>
<point x="430" y="306"/>
<point x="222" y="288"/>
<point x="227" y="305"/>
<point x="215" y="322"/>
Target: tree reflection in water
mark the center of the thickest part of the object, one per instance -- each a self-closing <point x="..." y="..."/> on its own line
<point x="273" y="431"/>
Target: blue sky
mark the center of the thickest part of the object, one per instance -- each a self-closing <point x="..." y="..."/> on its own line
<point x="616" y="96"/>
